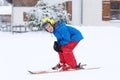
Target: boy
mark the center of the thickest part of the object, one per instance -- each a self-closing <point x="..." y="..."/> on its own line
<point x="67" y="39"/>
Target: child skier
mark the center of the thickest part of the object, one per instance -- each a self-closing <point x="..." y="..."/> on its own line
<point x="67" y="39"/>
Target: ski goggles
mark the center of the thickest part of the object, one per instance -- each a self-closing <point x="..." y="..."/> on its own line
<point x="45" y="25"/>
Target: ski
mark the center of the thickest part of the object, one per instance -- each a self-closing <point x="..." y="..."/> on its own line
<point x="56" y="71"/>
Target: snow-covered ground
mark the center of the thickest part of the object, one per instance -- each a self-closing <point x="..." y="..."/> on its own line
<point x="33" y="51"/>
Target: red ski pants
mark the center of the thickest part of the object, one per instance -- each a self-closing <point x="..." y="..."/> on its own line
<point x="67" y="56"/>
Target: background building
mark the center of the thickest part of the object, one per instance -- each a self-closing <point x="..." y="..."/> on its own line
<point x="88" y="12"/>
<point x="83" y="12"/>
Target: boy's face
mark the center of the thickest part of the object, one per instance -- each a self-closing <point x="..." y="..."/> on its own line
<point x="49" y="28"/>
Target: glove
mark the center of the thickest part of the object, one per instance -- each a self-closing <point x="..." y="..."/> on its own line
<point x="57" y="47"/>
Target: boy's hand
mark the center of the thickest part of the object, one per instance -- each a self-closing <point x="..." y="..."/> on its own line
<point x="57" y="47"/>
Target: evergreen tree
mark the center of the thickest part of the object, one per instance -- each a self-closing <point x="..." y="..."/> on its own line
<point x="43" y="9"/>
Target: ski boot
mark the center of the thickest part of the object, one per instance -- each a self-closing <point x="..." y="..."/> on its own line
<point x="58" y="66"/>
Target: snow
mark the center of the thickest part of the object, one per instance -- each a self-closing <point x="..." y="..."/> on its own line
<point x="51" y="2"/>
<point x="33" y="51"/>
<point x="5" y="10"/>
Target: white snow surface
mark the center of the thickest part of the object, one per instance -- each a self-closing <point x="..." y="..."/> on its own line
<point x="33" y="51"/>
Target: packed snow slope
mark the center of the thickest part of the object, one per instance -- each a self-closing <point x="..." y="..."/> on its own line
<point x="34" y="51"/>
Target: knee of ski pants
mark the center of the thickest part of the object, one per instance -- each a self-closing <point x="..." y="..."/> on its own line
<point x="69" y="47"/>
<point x="66" y="49"/>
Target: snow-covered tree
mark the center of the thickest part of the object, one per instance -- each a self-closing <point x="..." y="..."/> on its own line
<point x="43" y="9"/>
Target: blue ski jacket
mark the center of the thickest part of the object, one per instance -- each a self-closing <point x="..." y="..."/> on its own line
<point x="66" y="34"/>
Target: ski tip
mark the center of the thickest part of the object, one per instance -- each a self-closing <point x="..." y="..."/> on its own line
<point x="30" y="72"/>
